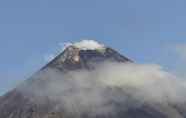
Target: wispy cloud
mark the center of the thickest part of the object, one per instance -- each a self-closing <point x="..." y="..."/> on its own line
<point x="95" y="91"/>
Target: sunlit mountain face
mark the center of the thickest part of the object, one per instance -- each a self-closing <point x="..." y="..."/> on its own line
<point x="70" y="86"/>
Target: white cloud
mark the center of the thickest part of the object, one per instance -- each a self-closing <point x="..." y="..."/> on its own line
<point x="92" y="91"/>
<point x="89" y="44"/>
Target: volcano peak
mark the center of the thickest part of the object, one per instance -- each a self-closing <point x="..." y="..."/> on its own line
<point x="82" y="54"/>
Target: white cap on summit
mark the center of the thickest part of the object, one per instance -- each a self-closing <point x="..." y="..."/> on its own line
<point x="88" y="45"/>
<point x="82" y="45"/>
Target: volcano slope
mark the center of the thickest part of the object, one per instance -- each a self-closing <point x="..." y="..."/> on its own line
<point x="67" y="88"/>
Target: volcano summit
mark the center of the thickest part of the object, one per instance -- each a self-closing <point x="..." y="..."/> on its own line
<point x="91" y="80"/>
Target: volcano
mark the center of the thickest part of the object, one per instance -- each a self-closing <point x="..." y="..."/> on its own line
<point x="21" y="102"/>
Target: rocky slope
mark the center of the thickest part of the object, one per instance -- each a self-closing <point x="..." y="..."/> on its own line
<point x="22" y="103"/>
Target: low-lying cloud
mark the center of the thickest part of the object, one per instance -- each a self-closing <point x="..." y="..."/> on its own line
<point x="107" y="87"/>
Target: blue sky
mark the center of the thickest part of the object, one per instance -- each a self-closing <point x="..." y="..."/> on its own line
<point x="144" y="30"/>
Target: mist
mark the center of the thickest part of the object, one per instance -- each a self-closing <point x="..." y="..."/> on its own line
<point x="107" y="87"/>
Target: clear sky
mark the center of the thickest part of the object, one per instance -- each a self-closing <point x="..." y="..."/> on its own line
<point x="143" y="30"/>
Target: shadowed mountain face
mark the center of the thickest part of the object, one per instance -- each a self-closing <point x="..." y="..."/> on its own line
<point x="23" y="103"/>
